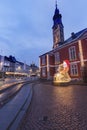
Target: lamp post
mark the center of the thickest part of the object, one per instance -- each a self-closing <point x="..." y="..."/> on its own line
<point x="30" y="71"/>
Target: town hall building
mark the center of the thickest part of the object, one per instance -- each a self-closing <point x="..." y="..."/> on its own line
<point x="73" y="49"/>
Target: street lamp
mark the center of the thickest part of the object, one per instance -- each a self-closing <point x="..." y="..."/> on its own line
<point x="30" y="72"/>
<point x="19" y="68"/>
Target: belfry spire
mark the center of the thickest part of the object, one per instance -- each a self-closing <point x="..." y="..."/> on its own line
<point x="58" y="33"/>
<point x="56" y="3"/>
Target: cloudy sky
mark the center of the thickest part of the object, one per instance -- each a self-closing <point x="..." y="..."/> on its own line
<point x="26" y="25"/>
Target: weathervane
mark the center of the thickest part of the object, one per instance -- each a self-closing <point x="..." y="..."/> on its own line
<point x="56" y="3"/>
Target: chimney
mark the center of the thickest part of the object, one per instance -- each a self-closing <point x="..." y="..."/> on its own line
<point x="73" y="35"/>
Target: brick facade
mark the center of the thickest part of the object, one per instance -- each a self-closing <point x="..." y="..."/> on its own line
<point x="73" y="49"/>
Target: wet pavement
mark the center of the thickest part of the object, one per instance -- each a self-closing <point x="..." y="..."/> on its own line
<point x="13" y="111"/>
<point x="56" y="108"/>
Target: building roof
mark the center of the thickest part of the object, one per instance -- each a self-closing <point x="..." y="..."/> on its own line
<point x="12" y="59"/>
<point x="75" y="36"/>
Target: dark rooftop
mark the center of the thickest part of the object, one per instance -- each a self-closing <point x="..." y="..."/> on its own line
<point x="75" y="36"/>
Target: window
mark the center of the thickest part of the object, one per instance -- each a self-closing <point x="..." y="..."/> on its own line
<point x="56" y="69"/>
<point x="44" y="72"/>
<point x="57" y="58"/>
<point x="72" y="53"/>
<point x="43" y="60"/>
<point x="74" y="69"/>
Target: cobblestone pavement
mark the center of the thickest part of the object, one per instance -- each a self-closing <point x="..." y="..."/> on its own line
<point x="57" y="108"/>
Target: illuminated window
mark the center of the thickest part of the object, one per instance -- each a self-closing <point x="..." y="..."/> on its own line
<point x="72" y="53"/>
<point x="74" y="69"/>
<point x="43" y="60"/>
<point x="57" y="57"/>
<point x="44" y="72"/>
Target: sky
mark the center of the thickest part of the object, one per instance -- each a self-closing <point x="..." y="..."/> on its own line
<point x="26" y="26"/>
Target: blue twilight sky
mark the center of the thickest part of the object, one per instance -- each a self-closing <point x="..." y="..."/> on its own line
<point x="26" y="25"/>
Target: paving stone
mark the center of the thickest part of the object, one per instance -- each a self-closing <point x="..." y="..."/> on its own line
<point x="56" y="108"/>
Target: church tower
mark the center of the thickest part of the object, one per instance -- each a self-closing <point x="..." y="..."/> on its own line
<point x="58" y="29"/>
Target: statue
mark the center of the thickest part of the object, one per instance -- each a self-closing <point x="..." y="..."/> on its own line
<point x="62" y="75"/>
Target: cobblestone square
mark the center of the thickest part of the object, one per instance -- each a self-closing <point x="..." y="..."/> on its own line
<point x="56" y="108"/>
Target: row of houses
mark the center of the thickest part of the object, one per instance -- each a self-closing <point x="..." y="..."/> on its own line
<point x="9" y="66"/>
<point x="73" y="49"/>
